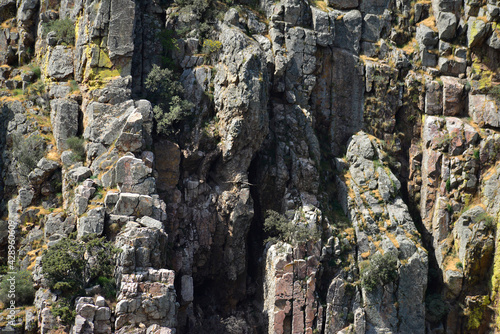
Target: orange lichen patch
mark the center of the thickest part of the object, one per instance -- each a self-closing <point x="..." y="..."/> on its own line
<point x="490" y="173"/>
<point x="12" y="98"/>
<point x="365" y="255"/>
<point x="321" y="5"/>
<point x="42" y="120"/>
<point x="366" y="58"/>
<point x="33" y="255"/>
<point x="7" y="24"/>
<point x="429" y="22"/>
<point x="450" y="263"/>
<point x="54" y="154"/>
<point x="393" y="239"/>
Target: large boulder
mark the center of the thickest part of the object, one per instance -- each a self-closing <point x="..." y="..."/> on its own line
<point x="426" y="37"/>
<point x="133" y="176"/>
<point x="91" y="223"/>
<point x="60" y="63"/>
<point x="347" y="29"/>
<point x="453" y="96"/>
<point x="477" y="31"/>
<point x="484" y="110"/>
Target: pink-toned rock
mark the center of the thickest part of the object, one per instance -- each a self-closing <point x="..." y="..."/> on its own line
<point x="432" y="129"/>
<point x="453" y="96"/>
<point x="484" y="110"/>
<point x="462" y="135"/>
<point x="284" y="286"/>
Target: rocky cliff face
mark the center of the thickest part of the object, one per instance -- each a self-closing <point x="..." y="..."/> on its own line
<point x="362" y="136"/>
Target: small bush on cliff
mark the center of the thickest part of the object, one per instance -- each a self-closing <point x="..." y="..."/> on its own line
<point x="24" y="291"/>
<point x="64" y="29"/>
<point x="281" y="228"/>
<point x="65" y="311"/>
<point x="76" y="144"/>
<point x="211" y="46"/>
<point x="164" y="91"/>
<point x="71" y="265"/>
<point x="27" y="152"/>
<point x="380" y="270"/>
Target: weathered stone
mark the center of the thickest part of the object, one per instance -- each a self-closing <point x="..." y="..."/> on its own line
<point x="374" y="6"/>
<point x="232" y="17"/>
<point x="453" y="280"/>
<point x="133" y="176"/>
<point x="121" y="28"/>
<point x="347" y="30"/>
<point x="102" y="313"/>
<point x="433" y="98"/>
<point x="60" y="63"/>
<point x="361" y="147"/>
<point x="484" y="110"/>
<point x="91" y="223"/>
<point x="453" y="96"/>
<point x="134" y="205"/>
<point x="477" y="31"/>
<point x="151" y="223"/>
<point x="79" y="174"/>
<point x="452" y="67"/>
<point x="447" y="25"/>
<point x="25" y="197"/>
<point x="372" y="27"/>
<point x="428" y="59"/>
<point x="426" y="37"/>
<point x="64" y="120"/>
<point x="343" y="4"/>
<point x="100" y="301"/>
<point x="494" y="39"/>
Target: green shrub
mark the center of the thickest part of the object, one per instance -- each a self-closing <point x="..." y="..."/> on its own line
<point x="24" y="291"/>
<point x="448" y="185"/>
<point x="66" y="267"/>
<point x="108" y="286"/>
<point x="379" y="270"/>
<point x="165" y="92"/>
<point x="74" y="86"/>
<point x="37" y="88"/>
<point x="64" y="29"/>
<point x="476" y="154"/>
<point x="36" y="70"/>
<point x="65" y="311"/>
<point x="494" y="91"/>
<point x="286" y="230"/>
<point x="76" y="144"/>
<point x="27" y="152"/>
<point x="488" y="220"/>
